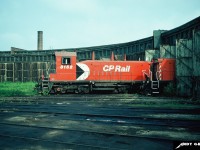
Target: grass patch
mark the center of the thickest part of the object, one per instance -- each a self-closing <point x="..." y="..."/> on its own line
<point x="8" y="89"/>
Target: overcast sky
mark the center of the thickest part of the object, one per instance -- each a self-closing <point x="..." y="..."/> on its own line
<point x="83" y="23"/>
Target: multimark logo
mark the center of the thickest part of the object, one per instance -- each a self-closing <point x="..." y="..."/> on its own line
<point x="186" y="145"/>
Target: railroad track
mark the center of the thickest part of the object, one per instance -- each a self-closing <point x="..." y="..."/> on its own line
<point x="64" y="145"/>
<point x="117" y="115"/>
<point x="102" y="116"/>
<point x="105" y="100"/>
<point x="112" y="119"/>
<point x="99" y="106"/>
<point x="96" y="98"/>
<point x="123" y="138"/>
<point x="61" y="108"/>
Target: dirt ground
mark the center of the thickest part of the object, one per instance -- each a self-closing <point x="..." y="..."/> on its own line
<point x="97" y="122"/>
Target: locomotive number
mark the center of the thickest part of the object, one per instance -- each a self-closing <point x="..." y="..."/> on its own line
<point x="66" y="67"/>
<point x="116" y="68"/>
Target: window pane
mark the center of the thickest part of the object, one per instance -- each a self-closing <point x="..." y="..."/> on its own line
<point x="66" y="61"/>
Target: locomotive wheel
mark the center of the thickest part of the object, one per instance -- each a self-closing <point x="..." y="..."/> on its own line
<point x="63" y="91"/>
<point x="85" y="90"/>
<point x="52" y="91"/>
<point x="122" y="90"/>
<point x="76" y="91"/>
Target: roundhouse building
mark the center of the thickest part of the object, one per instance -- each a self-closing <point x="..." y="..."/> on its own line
<point x="182" y="43"/>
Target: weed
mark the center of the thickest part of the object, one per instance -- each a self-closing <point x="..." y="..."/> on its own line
<point x="169" y="90"/>
<point x="8" y="89"/>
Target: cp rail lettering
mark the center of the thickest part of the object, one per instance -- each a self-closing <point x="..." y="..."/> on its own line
<point x="116" y="68"/>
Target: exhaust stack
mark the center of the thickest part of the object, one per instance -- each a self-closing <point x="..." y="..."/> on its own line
<point x="40" y="40"/>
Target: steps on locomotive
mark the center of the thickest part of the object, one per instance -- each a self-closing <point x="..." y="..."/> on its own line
<point x="155" y="87"/>
<point x="45" y="83"/>
<point x="155" y="84"/>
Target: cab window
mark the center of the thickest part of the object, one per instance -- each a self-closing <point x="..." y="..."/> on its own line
<point x="66" y="61"/>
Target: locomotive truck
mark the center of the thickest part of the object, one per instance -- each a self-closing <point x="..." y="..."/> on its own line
<point x="93" y="75"/>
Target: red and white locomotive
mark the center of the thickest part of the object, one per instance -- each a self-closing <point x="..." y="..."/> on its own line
<point x="110" y="75"/>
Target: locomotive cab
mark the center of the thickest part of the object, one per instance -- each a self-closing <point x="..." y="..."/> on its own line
<point x="65" y="67"/>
